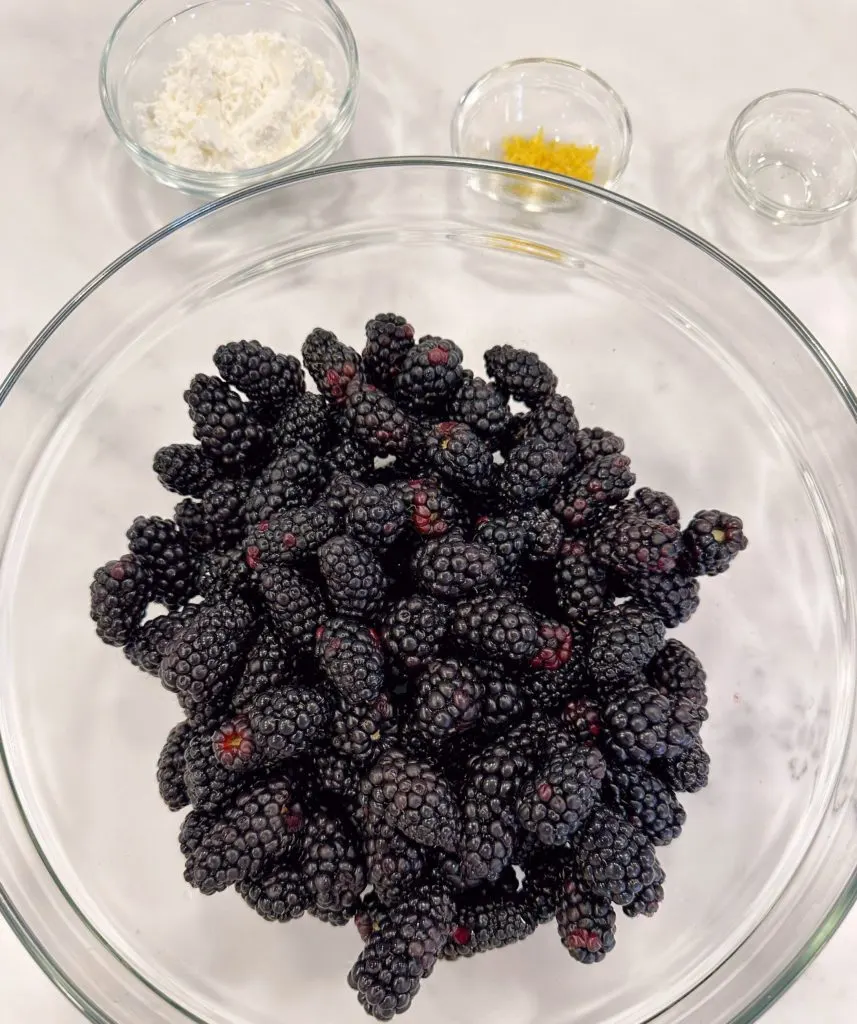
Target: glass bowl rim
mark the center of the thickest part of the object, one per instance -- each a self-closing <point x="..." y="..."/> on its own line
<point x="455" y="127"/>
<point x="837" y="912"/>
<point x="303" y="157"/>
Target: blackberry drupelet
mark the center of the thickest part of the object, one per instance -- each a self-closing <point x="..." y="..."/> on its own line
<point x="118" y="596"/>
<point x="290" y="537"/>
<point x="520" y="373"/>
<point x="582" y="584"/>
<point x="506" y="537"/>
<point x="269" y="664"/>
<point x="600" y="484"/>
<point x="355" y="580"/>
<point x="234" y="746"/>
<point x="581" y="717"/>
<point x="554" y="422"/>
<point x="558" y="799"/>
<point x="553" y="646"/>
<point x="349" y="656"/>
<point x="647" y="802"/>
<point x="624" y="641"/>
<point x="430" y="374"/>
<point x="432" y="511"/>
<point x="447" y="700"/>
<point x="377" y="516"/>
<point x="348" y="455"/>
<point x="543" y="534"/>
<point x="613" y="860"/>
<point x="688" y="772"/>
<point x="636" y="724"/>
<point x="586" y="924"/>
<point x="223" y="423"/>
<point x="193" y="828"/>
<point x="594" y="442"/>
<point x="223" y="577"/>
<point x="165" y="553"/>
<point x="184" y="469"/>
<point x="270" y="379"/>
<point x="459" y="455"/>
<point x="673" y="597"/>
<point x="414" y="628"/>
<point x="171" y="766"/>
<point x="287" y="721"/>
<point x="333" y="868"/>
<point x="497" y="626"/>
<point x="209" y="785"/>
<point x="149" y="644"/>
<point x="360" y="732"/>
<point x="532" y="472"/>
<point x="647" y="902"/>
<point x="376" y="421"/>
<point x="712" y="540"/>
<point x="632" y="545"/>
<point x="294" y="604"/>
<point x="481" y="406"/>
<point x="291" y="480"/>
<point x="657" y="505"/>
<point x="394" y="864"/>
<point x="389" y="338"/>
<point x="305" y="421"/>
<point x="279" y="894"/>
<point x="676" y="671"/>
<point x="452" y="567"/>
<point x="332" y="365"/>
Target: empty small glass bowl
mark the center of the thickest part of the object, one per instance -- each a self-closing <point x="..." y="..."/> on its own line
<point x="792" y="156"/>
<point x="146" y="41"/>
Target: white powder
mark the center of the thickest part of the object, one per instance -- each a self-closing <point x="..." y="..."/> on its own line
<point x="235" y="102"/>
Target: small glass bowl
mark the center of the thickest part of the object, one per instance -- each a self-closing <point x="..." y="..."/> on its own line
<point x="145" y="42"/>
<point x="792" y="156"/>
<point x="566" y="101"/>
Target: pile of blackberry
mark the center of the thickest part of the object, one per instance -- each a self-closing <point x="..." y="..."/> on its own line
<point x="417" y="637"/>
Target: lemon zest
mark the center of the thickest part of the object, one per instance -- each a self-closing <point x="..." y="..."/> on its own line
<point x="550" y="155"/>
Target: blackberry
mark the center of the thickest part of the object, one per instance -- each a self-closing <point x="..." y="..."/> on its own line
<point x="543" y="534"/>
<point x="448" y="699"/>
<point x="291" y="480"/>
<point x="269" y="665"/>
<point x="376" y="421"/>
<point x="149" y="644"/>
<point x="394" y="864"/>
<point x="234" y="745"/>
<point x="647" y="802"/>
<point x="223" y="576"/>
<point x="290" y="537"/>
<point x="171" y="765"/>
<point x="600" y="484"/>
<point x="222" y="422"/>
<point x="193" y="828"/>
<point x="582" y="584"/>
<point x="554" y="422"/>
<point x="613" y="859"/>
<point x="160" y="547"/>
<point x="258" y="827"/>
<point x="279" y="894"/>
<point x="657" y="505"/>
<point x="118" y="596"/>
<point x="218" y="521"/>
<point x="340" y="492"/>
<point x="481" y="406"/>
<point x="348" y="654"/>
<point x="487" y="918"/>
<point x="634" y="545"/>
<point x="389" y="338"/>
<point x="506" y="537"/>
<point x="332" y="365"/>
<point x="305" y="421"/>
<point x="586" y="924"/>
<point x="520" y="373"/>
<point x="502" y="701"/>
<point x="532" y="471"/>
<point x="581" y="716"/>
<point x="201" y="659"/>
<point x="712" y="539"/>
<point x="636" y="725"/>
<point x="624" y="640"/>
<point x="347" y="456"/>
<point x="193" y="523"/>
<point x="673" y="597"/>
<point x="559" y="798"/>
<point x="515" y="432"/>
<point x="688" y="772"/>
<point x="294" y="604"/>
<point x="432" y="511"/>
<point x="270" y="379"/>
<point x="594" y="443"/>
<point x="209" y="785"/>
<point x="377" y="516"/>
<point x="361" y="731"/>
<point x="333" y="869"/>
<point x="545" y="874"/>
<point x="496" y="626"/>
<point x="287" y="721"/>
<point x="430" y="373"/>
<point x="648" y="901"/>
<point x="459" y="455"/>
<point x="453" y="567"/>
<point x="547" y="690"/>
<point x="335" y="774"/>
<point x="355" y="581"/>
<point x="553" y="646"/>
<point x="414" y="628"/>
<point x="676" y="671"/>
<point x="184" y="469"/>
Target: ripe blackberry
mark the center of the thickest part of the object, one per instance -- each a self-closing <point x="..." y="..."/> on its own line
<point x="543" y="534"/>
<point x="223" y="577"/>
<point x="459" y="455"/>
<point x="532" y="471"/>
<point x="332" y="365"/>
<point x="414" y="628"/>
<point x="633" y="545"/>
<point x="624" y="641"/>
<point x="340" y="492"/>
<point x="648" y="901"/>
<point x="193" y="828"/>
<point x="305" y="420"/>
<point x="712" y="539"/>
<point x="487" y="918"/>
<point x="647" y="802"/>
<point x="673" y="597"/>
<point x="556" y="801"/>
<point x="600" y="484"/>
<point x="522" y="374"/>
<point x="394" y="864"/>
<point x="377" y="516"/>
<point x="335" y="774"/>
<point x="259" y="826"/>
<point x="545" y="872"/>
<point x="481" y="406"/>
<point x="193" y="523"/>
<point x="118" y="596"/>
<point x="355" y="581"/>
<point x="348" y="455"/>
<point x="453" y="567"/>
<point x="497" y="626"/>
<point x="290" y="537"/>
<point x="657" y="505"/>
<point x="218" y="519"/>
<point x="636" y="725"/>
<point x="432" y="511"/>
<point x="279" y="894"/>
<point x="287" y="721"/>
<point x="294" y="604"/>
<point x="548" y="690"/>
<point x="430" y="373"/>
<point x="291" y="480"/>
<point x="160" y="547"/>
<point x="209" y="785"/>
<point x="389" y="338"/>
<point x="377" y="422"/>
<point x="586" y="924"/>
<point x="448" y="699"/>
<point x="613" y="859"/>
<point x="582" y="583"/>
<point x="222" y="422"/>
<point x="676" y="671"/>
<point x="270" y="379"/>
<point x="348" y="654"/>
<point x="594" y="443"/>
<point x="171" y="766"/>
<point x="333" y="868"/>
<point x="554" y="422"/>
<point x="688" y="772"/>
<point x="506" y="537"/>
<point x="269" y="665"/>
<point x="201" y="660"/>
<point x="361" y="731"/>
<point x="184" y="469"/>
<point x="150" y="642"/>
<point x="234" y="746"/>
<point x="503" y="701"/>
<point x="581" y="717"/>
<point x="553" y="646"/>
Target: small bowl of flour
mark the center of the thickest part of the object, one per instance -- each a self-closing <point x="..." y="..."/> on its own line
<point x="213" y="96"/>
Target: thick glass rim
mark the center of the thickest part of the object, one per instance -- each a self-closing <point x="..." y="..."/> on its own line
<point x="814" y="943"/>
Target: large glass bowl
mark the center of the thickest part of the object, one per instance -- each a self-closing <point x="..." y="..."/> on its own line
<point x="723" y="397"/>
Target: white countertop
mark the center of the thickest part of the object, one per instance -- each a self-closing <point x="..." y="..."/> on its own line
<point x="70" y="200"/>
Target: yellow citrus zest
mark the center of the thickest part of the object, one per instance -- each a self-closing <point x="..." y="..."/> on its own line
<point x="549" y="155"/>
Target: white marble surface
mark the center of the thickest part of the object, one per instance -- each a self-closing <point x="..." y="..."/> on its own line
<point x="70" y="201"/>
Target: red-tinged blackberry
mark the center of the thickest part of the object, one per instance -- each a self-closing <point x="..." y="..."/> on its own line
<point x="171" y="766"/>
<point x="209" y="785"/>
<point x="497" y="626"/>
<point x="414" y="628"/>
<point x="389" y="338"/>
<point x="520" y="373"/>
<point x="647" y="902"/>
<point x="278" y="894"/>
<point x="193" y="828"/>
<point x="184" y="469"/>
<point x="346" y="456"/>
<point x="582" y="583"/>
<point x="448" y="699"/>
<point x="532" y="471"/>
<point x="223" y="423"/>
<point x="355" y="580"/>
<point x="201" y="660"/>
<point x="487" y="918"/>
<point x="150" y="642"/>
<point x="294" y="604"/>
<point x="118" y="596"/>
<point x="291" y="536"/>
<point x="305" y="420"/>
<point x="332" y="365"/>
<point x="657" y="505"/>
<point x="647" y="802"/>
<point x="270" y="663"/>
<point x="333" y="868"/>
<point x="712" y="539"/>
<point x="453" y="567"/>
<point x="506" y="537"/>
<point x="553" y="646"/>
<point x="559" y="798"/>
<point x="676" y="671"/>
<point x="291" y="480"/>
<point x="459" y="455"/>
<point x="348" y="654"/>
<point x="503" y="701"/>
<point x="554" y="421"/>
<point x="377" y="516"/>
<point x="586" y="924"/>
<point x="594" y="443"/>
<point x="600" y="484"/>
<point x="430" y="374"/>
<point x="481" y="406"/>
<point x="161" y="548"/>
<point x="636" y="725"/>
<point x="234" y="746"/>
<point x="673" y="597"/>
<point x="614" y="860"/>
<point x="581" y="716"/>
<point x="688" y="772"/>
<point x="360" y="732"/>
<point x="340" y="492"/>
<point x="433" y="512"/>
<point x="267" y="377"/>
<point x="633" y="545"/>
<point x="287" y="721"/>
<point x="624" y="640"/>
<point x="335" y="774"/>
<point x="376" y="421"/>
<point x="259" y="826"/>
<point x="543" y="534"/>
